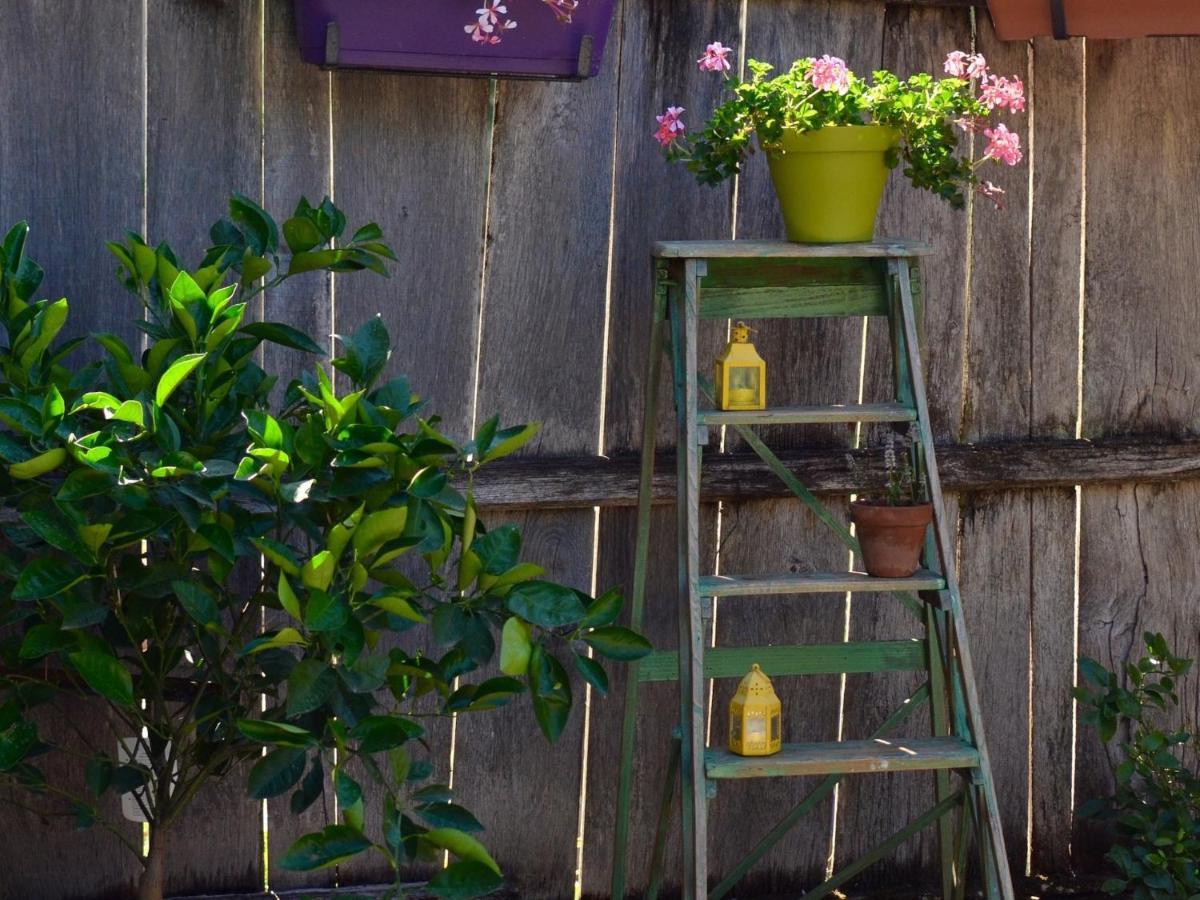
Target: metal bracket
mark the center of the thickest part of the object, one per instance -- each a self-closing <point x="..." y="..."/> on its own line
<point x="702" y="435"/>
<point x="1058" y="20"/>
<point x="583" y="66"/>
<point x="333" y="42"/>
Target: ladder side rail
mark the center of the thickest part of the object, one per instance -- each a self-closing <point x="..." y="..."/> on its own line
<point x="683" y="309"/>
<point x="638" y="592"/>
<point x="899" y="267"/>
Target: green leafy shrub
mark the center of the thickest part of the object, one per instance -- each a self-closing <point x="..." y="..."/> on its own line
<point x="1155" y="808"/>
<point x="190" y="542"/>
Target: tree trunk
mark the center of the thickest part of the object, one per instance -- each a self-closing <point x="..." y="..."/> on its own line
<point x="152" y="882"/>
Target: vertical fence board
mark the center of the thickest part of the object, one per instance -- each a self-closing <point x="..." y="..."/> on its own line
<point x="809" y="361"/>
<point x="1138" y="564"/>
<point x="297" y="156"/>
<point x="426" y="187"/>
<point x="75" y="193"/>
<point x="872" y="808"/>
<point x="1056" y="117"/>
<point x="995" y="566"/>
<point x="660" y="44"/>
<point x="203" y="143"/>
<point x="541" y="359"/>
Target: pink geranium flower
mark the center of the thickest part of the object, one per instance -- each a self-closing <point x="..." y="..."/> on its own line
<point x="956" y="63"/>
<point x="992" y="192"/>
<point x="1003" y="145"/>
<point x="1003" y="93"/>
<point x="977" y="66"/>
<point x="829" y="74"/>
<point x="714" y="58"/>
<point x="670" y="126"/>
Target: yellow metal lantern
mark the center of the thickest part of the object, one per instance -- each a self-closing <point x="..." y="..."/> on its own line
<point x="754" y="716"/>
<point x="741" y="374"/>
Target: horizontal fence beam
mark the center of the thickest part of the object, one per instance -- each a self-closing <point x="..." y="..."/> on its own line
<point x="573" y="482"/>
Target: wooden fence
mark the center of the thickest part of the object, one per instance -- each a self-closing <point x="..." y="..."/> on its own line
<point x="523" y="214"/>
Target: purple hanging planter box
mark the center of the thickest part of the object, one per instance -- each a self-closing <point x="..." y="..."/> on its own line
<point x="431" y="36"/>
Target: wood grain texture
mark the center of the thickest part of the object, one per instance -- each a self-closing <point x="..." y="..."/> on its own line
<point x="204" y="142"/>
<point x="809" y="361"/>
<point x="778" y="249"/>
<point x="1057" y="90"/>
<point x="71" y="153"/>
<point x="995" y="532"/>
<point x="660" y="43"/>
<point x="871" y="809"/>
<point x="1137" y="569"/>
<point x="847" y="757"/>
<point x="569" y="482"/>
<point x="541" y="359"/>
<point x="297" y="155"/>
<point x="426" y="187"/>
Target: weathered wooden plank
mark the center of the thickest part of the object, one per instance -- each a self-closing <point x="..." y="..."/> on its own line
<point x="1138" y="567"/>
<point x="814" y="583"/>
<point x="204" y="141"/>
<point x="809" y="361"/>
<point x="845" y="413"/>
<point x="531" y="350"/>
<point x="432" y="213"/>
<point x="793" y="303"/>
<point x="846" y="757"/>
<point x="585" y="481"/>
<point x="914" y="40"/>
<point x="60" y="85"/>
<point x="660" y="43"/>
<point x="996" y="540"/>
<point x="297" y="157"/>
<point x="759" y="249"/>
<point x="1055" y="259"/>
<point x="790" y="659"/>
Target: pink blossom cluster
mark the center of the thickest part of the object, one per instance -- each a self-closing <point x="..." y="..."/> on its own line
<point x="968" y="65"/>
<point x="492" y="18"/>
<point x="829" y="74"/>
<point x="563" y="9"/>
<point x="1003" y="145"/>
<point x="670" y="126"/>
<point x="715" y="58"/>
<point x="998" y="91"/>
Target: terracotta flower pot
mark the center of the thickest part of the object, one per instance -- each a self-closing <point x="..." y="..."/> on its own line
<point x="891" y="537"/>
<point x="1018" y="20"/>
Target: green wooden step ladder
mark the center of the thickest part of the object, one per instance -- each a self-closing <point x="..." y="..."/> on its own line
<point x="771" y="279"/>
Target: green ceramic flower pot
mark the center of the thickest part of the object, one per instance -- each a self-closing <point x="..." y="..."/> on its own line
<point x="830" y="181"/>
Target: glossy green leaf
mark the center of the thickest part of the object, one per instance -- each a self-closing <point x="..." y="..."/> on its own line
<point x="176" y="374"/>
<point x="335" y="844"/>
<point x="275" y="773"/>
<point x="105" y="674"/>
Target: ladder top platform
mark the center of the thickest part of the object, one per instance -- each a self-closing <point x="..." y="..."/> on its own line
<point x="787" y="250"/>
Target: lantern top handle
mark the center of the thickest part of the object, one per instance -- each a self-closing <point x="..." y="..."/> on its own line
<point x="740" y="334"/>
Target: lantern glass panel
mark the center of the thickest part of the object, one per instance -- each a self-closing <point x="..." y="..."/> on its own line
<point x="744" y="385"/>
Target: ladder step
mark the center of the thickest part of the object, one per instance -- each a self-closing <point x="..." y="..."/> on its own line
<point x="815" y="583"/>
<point x="810" y="415"/>
<point x="793" y="659"/>
<point x="846" y="757"/>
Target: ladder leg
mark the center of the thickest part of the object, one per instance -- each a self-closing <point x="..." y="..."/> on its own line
<point x="899" y="269"/>
<point x="659" y="853"/>
<point x="939" y="715"/>
<point x="638" y="595"/>
<point x="691" y="632"/>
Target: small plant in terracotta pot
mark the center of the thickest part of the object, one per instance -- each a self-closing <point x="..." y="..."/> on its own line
<point x="891" y="529"/>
